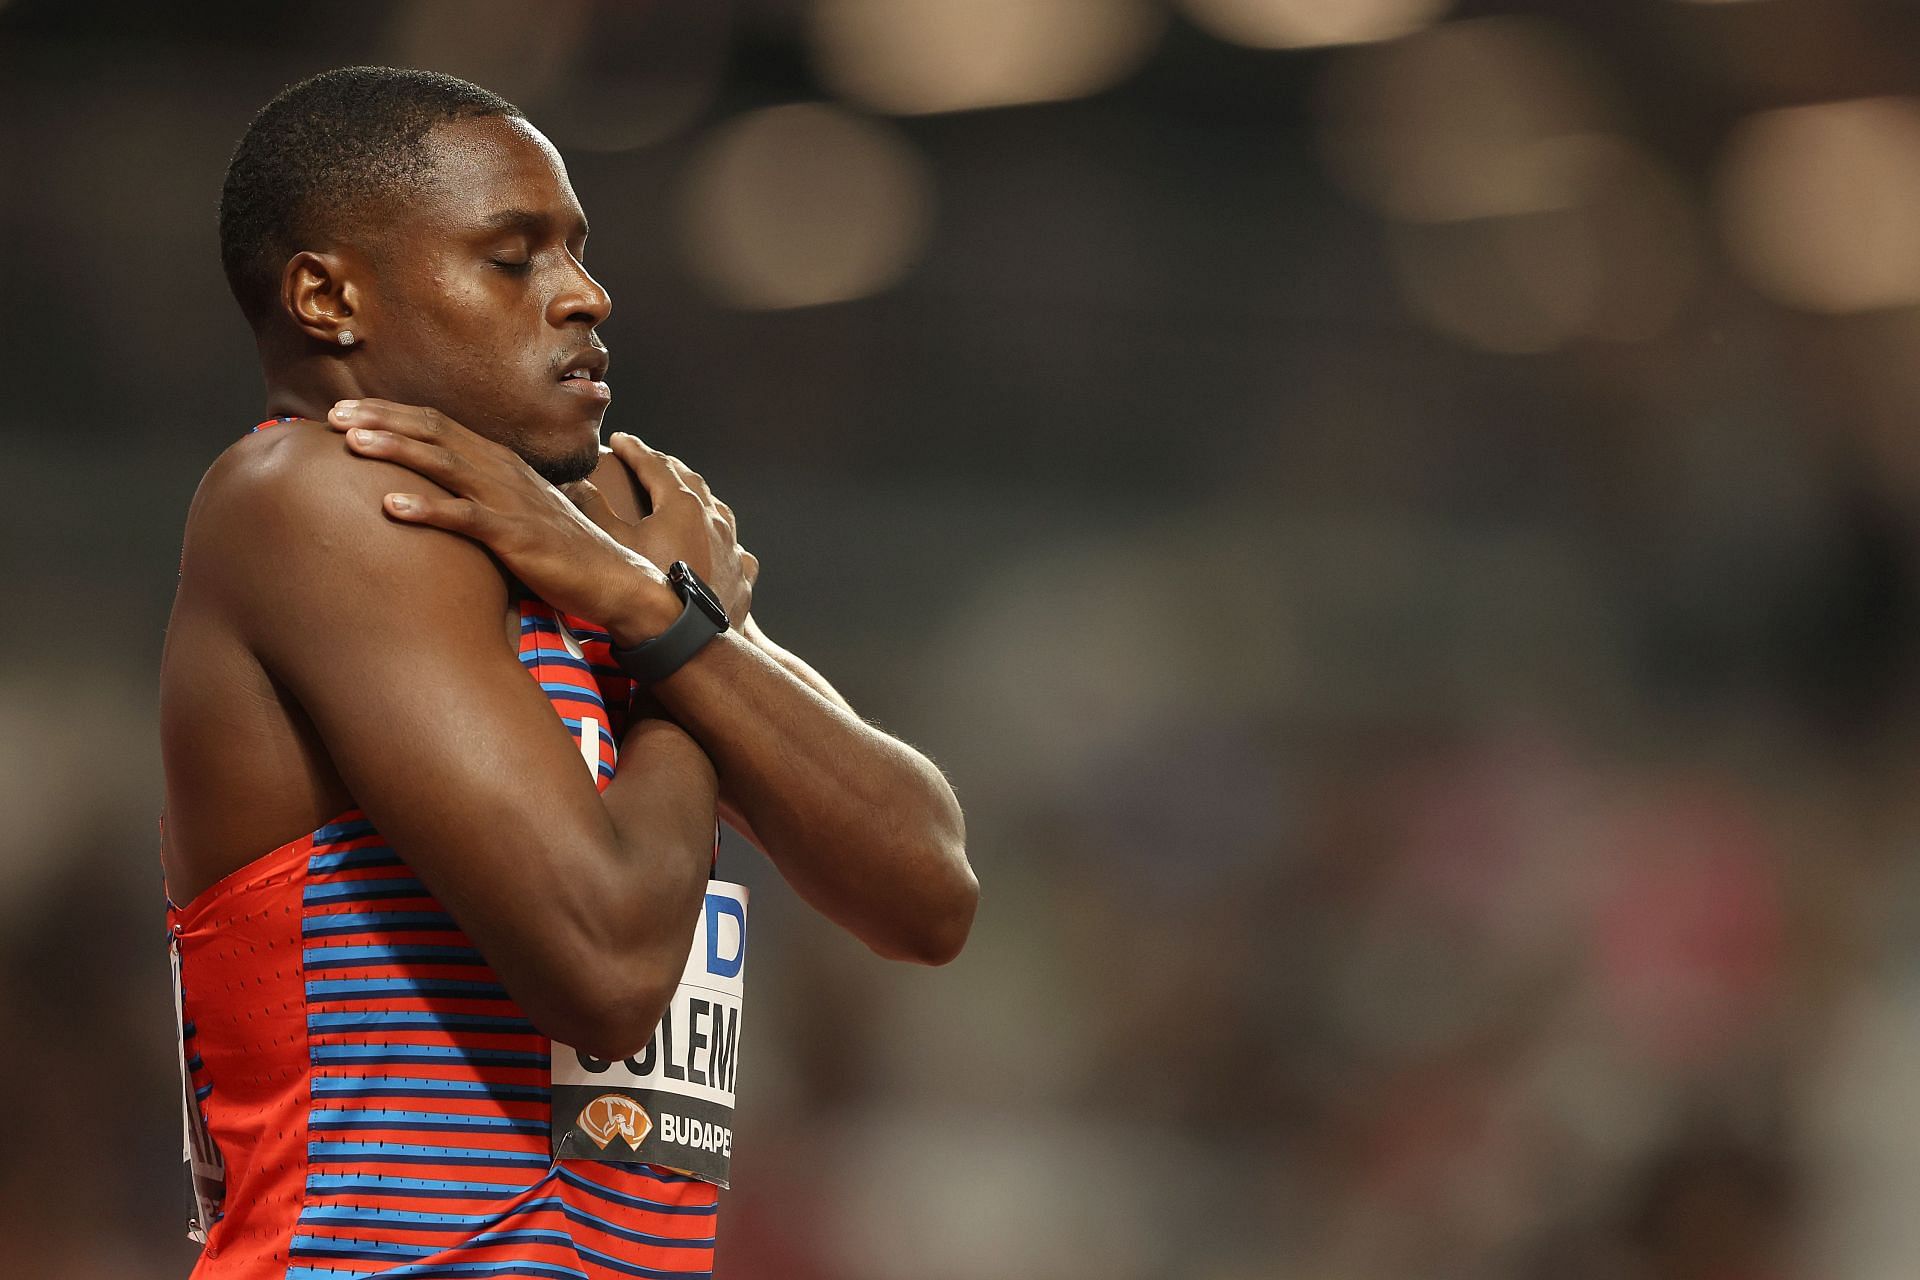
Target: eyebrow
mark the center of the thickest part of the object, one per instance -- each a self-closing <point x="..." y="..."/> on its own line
<point x="526" y="220"/>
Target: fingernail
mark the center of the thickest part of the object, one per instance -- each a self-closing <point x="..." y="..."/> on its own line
<point x="400" y="502"/>
<point x="346" y="409"/>
<point x="361" y="435"/>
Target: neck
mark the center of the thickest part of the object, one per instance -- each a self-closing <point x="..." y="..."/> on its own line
<point x="307" y="385"/>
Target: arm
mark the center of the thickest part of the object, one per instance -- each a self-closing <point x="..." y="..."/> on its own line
<point x="865" y="828"/>
<point x="799" y="670"/>
<point x="392" y="640"/>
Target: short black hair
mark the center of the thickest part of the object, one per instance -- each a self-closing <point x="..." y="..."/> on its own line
<point x="323" y="151"/>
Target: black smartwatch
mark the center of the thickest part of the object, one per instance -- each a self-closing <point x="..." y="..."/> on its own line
<point x="703" y="618"/>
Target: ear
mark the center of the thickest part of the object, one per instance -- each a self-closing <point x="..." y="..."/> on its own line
<point x="319" y="292"/>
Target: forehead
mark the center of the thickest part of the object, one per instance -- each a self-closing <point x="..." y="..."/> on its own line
<point x="482" y="166"/>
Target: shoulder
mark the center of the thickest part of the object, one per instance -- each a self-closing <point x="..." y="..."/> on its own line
<point x="622" y="491"/>
<point x="295" y="473"/>
<point x="289" y="510"/>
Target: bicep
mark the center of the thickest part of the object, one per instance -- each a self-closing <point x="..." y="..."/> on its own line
<point x="392" y="638"/>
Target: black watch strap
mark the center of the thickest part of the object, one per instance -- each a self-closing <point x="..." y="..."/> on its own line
<point x="701" y="619"/>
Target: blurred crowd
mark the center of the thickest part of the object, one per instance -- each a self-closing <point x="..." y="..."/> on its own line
<point x="1397" y="516"/>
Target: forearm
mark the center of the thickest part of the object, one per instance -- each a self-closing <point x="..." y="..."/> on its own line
<point x="865" y="828"/>
<point x="792" y="665"/>
<point x="661" y="805"/>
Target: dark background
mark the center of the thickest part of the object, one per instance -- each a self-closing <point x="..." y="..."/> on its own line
<point x="1406" y="550"/>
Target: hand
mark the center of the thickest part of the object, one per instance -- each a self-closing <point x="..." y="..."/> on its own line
<point x="687" y="523"/>
<point x="543" y="539"/>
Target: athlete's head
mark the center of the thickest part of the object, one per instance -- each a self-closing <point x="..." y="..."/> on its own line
<point x="426" y="216"/>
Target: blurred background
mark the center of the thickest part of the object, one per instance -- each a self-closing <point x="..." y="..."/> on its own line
<point x="1398" y="517"/>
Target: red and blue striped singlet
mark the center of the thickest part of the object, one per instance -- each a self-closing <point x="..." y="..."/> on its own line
<point x="380" y="1102"/>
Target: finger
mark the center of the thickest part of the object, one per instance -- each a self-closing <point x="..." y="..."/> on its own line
<point x="449" y="469"/>
<point x="726" y="513"/>
<point x="458" y="515"/>
<point x="749" y="566"/>
<point x="414" y="420"/>
<point x="691" y="479"/>
<point x="593" y="504"/>
<point x="649" y="467"/>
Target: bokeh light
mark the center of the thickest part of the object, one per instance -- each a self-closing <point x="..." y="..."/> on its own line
<point x="1516" y="284"/>
<point x="915" y="56"/>
<point x="1300" y="24"/>
<point x="646" y="75"/>
<point x="521" y="54"/>
<point x="801" y="205"/>
<point x="1819" y="204"/>
<point x="1617" y="266"/>
<point x="1465" y="120"/>
<point x="1520" y="217"/>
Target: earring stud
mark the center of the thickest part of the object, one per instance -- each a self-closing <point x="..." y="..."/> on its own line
<point x="346" y="338"/>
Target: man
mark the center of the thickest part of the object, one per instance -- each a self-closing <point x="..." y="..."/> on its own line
<point x="451" y="1001"/>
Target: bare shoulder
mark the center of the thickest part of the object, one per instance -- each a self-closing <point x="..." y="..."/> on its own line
<point x="623" y="492"/>
<point x="286" y="513"/>
<point x="286" y="478"/>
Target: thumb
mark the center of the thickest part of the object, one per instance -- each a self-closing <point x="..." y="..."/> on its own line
<point x="592" y="503"/>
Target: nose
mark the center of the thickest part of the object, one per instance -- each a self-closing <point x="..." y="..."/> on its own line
<point x="582" y="300"/>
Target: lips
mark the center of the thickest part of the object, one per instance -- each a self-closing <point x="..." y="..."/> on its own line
<point x="592" y="363"/>
<point x="589" y="387"/>
<point x="583" y="375"/>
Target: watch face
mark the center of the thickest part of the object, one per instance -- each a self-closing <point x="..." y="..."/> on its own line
<point x="691" y="588"/>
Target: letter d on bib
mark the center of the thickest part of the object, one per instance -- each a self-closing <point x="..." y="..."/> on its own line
<point x="725" y="954"/>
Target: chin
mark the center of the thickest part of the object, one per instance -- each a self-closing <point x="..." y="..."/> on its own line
<point x="559" y="469"/>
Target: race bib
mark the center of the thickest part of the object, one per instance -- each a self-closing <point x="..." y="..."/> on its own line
<point x="672" y="1103"/>
<point x="197" y="1150"/>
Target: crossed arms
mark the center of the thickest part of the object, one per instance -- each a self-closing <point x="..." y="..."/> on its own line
<point x="583" y="901"/>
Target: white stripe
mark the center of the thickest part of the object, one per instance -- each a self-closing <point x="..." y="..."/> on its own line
<point x="590" y="745"/>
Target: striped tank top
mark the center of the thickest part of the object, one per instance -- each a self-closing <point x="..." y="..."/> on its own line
<point x="378" y="1100"/>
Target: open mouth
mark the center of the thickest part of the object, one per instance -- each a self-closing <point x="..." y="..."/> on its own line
<point x="582" y="382"/>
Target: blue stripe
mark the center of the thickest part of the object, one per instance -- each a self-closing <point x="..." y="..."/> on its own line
<point x="373" y="953"/>
<point x="404" y="988"/>
<point x="327" y="1247"/>
<point x="421" y="1054"/>
<point x="424" y="1188"/>
<point x="414" y="1087"/>
<point x="571" y="1178"/>
<point x="449" y="1271"/>
<point x="375" y="1019"/>
<point x="336" y="832"/>
<point x="373" y="855"/>
<point x="422" y="1121"/>
<point x="376" y="1250"/>
<point x="406" y="1153"/>
<point x="635" y="1269"/>
<point x="378" y="922"/>
<point x="573" y="723"/>
<point x="363" y="891"/>
<point x="584" y="1218"/>
<point x="200" y="1094"/>
<point x="411" y="1220"/>
<point x="558" y="657"/>
<point x="574" y="691"/>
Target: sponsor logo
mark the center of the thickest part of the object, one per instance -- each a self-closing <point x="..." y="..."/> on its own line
<point x="613" y="1115"/>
